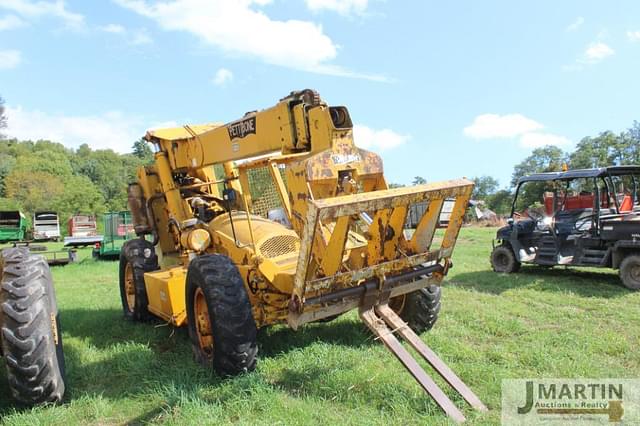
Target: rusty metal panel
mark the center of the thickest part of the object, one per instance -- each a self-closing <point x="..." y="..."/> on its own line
<point x="383" y="249"/>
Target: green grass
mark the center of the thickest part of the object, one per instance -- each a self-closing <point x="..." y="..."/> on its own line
<point x="538" y="323"/>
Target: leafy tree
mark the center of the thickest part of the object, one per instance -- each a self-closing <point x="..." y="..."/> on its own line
<point x="9" y="204"/>
<point x="3" y="117"/>
<point x="500" y="202"/>
<point x="606" y="149"/>
<point x="80" y="196"/>
<point x="395" y="185"/>
<point x="33" y="190"/>
<point x="484" y="187"/>
<point x="51" y="162"/>
<point x="7" y="162"/>
<point x="142" y="150"/>
<point x="418" y="180"/>
<point x="545" y="159"/>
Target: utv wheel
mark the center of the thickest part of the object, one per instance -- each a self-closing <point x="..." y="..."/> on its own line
<point x="221" y="325"/>
<point x="418" y="309"/>
<point x="136" y="257"/>
<point x="30" y="339"/>
<point x="630" y="272"/>
<point x="503" y="260"/>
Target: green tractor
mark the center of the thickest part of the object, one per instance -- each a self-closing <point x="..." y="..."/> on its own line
<point x="13" y="226"/>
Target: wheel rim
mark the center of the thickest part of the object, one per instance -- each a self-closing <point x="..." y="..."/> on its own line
<point x="129" y="287"/>
<point x="397" y="303"/>
<point x="635" y="272"/>
<point x="501" y="260"/>
<point x="203" y="323"/>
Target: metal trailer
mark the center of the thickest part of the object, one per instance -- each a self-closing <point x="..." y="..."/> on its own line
<point x="82" y="231"/>
<point x="118" y="228"/>
<point x="46" y="226"/>
<point x="53" y="257"/>
<point x="13" y="226"/>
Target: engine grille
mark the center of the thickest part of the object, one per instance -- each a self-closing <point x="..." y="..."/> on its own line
<point x="279" y="245"/>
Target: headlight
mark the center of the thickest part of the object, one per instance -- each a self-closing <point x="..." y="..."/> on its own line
<point x="197" y="240"/>
<point x="547" y="220"/>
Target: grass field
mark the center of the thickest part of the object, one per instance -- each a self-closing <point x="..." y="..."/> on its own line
<point x="538" y="323"/>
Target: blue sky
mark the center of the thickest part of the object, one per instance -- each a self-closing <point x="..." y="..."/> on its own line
<point x="439" y="89"/>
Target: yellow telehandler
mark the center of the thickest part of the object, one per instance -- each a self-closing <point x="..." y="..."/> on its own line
<point x="279" y="218"/>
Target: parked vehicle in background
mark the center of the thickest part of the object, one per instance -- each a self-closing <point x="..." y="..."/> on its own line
<point x="82" y="231"/>
<point x="46" y="226"/>
<point x="417" y="210"/>
<point x="13" y="226"/>
<point x="118" y="228"/>
<point x="587" y="217"/>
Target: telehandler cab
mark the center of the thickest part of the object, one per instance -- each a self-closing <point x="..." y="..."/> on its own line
<point x="302" y="228"/>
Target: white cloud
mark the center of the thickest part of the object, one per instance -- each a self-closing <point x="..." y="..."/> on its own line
<point x="112" y="130"/>
<point x="343" y="7"/>
<point x="576" y="24"/>
<point x="377" y="140"/>
<point x="633" y="35"/>
<point x="238" y="28"/>
<point x="141" y="37"/>
<point x="222" y="77"/>
<point x="113" y="29"/>
<point x="596" y="52"/>
<point x="10" y="59"/>
<point x="38" y="9"/>
<point x="513" y="126"/>
<point x="494" y="126"/>
<point x="136" y="37"/>
<point x="537" y="140"/>
<point x="10" y="22"/>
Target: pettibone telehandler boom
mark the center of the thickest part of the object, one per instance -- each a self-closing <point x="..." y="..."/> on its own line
<point x="302" y="228"/>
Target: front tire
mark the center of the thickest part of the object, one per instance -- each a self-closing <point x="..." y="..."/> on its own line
<point x="503" y="260"/>
<point x="221" y="326"/>
<point x="419" y="309"/>
<point x="630" y="272"/>
<point x="30" y="338"/>
<point x="136" y="257"/>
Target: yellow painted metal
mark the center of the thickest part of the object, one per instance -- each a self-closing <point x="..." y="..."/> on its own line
<point x="166" y="291"/>
<point x="196" y="239"/>
<point x="346" y="226"/>
<point x="181" y="133"/>
<point x="426" y="228"/>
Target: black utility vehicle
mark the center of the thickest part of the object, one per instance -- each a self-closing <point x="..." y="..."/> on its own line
<point x="587" y="217"/>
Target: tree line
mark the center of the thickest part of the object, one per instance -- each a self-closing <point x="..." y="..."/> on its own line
<point x="605" y="149"/>
<point x="45" y="175"/>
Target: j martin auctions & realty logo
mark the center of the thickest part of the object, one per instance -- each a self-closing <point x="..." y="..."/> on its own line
<point x="570" y="401"/>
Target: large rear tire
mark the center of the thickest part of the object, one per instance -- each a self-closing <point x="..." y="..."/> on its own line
<point x="630" y="271"/>
<point x="419" y="309"/>
<point x="136" y="257"/>
<point x="503" y="260"/>
<point x="30" y="338"/>
<point x="221" y="326"/>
